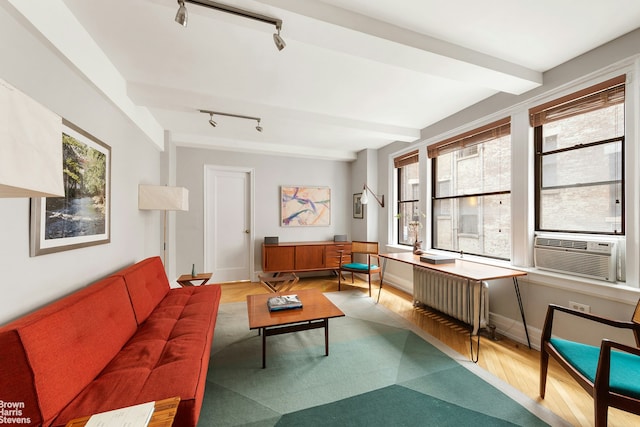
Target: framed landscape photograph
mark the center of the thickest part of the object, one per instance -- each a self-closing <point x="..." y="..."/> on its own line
<point x="303" y="206"/>
<point x="82" y="217"/>
<point x="358" y="212"/>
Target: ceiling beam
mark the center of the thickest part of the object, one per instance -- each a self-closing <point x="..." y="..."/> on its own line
<point x="376" y="40"/>
<point x="73" y="42"/>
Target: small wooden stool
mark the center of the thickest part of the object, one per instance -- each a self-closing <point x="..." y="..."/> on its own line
<point x="279" y="283"/>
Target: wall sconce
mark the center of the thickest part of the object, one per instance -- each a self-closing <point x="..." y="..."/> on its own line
<point x="365" y="199"/>
<point x="163" y="198"/>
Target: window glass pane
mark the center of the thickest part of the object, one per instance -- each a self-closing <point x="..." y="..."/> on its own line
<point x="474" y="225"/>
<point x="593" y="208"/>
<point x="409" y="218"/>
<point x="486" y="170"/>
<point x="597" y="125"/>
<point x="596" y="164"/>
<point x="409" y="182"/>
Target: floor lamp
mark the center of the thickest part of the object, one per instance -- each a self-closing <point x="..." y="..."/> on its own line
<point x="163" y="198"/>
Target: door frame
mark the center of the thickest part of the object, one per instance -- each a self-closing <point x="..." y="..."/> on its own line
<point x="209" y="169"/>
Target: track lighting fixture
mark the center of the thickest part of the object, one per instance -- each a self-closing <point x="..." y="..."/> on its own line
<point x="182" y="16"/>
<point x="239" y="116"/>
<point x="280" y="44"/>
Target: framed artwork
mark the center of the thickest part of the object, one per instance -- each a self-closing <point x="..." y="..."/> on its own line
<point x="358" y="211"/>
<point x="83" y="216"/>
<point x="303" y="206"/>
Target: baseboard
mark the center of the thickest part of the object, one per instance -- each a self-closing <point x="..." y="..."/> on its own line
<point x="513" y="329"/>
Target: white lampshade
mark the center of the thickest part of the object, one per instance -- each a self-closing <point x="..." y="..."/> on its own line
<point x="31" y="147"/>
<point x="163" y="198"/>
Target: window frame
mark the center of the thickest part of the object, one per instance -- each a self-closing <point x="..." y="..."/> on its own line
<point x="544" y="114"/>
<point x="399" y="163"/>
<point x="462" y="143"/>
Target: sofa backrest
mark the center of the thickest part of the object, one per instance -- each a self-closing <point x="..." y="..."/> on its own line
<point x="56" y="351"/>
<point x="147" y="284"/>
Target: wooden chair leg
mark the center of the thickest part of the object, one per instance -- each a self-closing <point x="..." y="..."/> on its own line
<point x="369" y="275"/>
<point x="601" y="412"/>
<point x="544" y="365"/>
<point x="339" y="277"/>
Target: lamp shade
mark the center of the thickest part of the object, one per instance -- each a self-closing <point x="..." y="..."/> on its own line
<point x="31" y="147"/>
<point x="163" y="198"/>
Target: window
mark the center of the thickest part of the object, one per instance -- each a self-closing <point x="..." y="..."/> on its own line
<point x="579" y="146"/>
<point x="472" y="192"/>
<point x="408" y="197"/>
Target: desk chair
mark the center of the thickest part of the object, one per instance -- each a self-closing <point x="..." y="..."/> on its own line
<point x="365" y="249"/>
<point x="612" y="378"/>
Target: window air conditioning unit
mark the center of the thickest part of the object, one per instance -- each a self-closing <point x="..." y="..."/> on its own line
<point x="588" y="258"/>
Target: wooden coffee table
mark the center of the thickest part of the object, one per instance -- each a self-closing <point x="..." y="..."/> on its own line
<point x="315" y="313"/>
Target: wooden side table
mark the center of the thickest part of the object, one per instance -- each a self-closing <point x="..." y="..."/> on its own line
<point x="198" y="280"/>
<point x="163" y="414"/>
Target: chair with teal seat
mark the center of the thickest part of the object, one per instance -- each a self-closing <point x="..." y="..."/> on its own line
<point x="609" y="373"/>
<point x="364" y="259"/>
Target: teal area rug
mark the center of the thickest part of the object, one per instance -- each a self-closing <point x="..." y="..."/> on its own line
<point x="381" y="371"/>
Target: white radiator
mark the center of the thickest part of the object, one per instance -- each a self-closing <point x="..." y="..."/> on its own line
<point x="462" y="299"/>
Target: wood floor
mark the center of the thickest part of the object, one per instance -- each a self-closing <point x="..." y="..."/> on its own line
<point x="510" y="361"/>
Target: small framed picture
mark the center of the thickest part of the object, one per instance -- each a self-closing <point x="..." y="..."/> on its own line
<point x="358" y="211"/>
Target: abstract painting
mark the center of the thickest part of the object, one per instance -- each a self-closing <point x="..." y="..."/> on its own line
<point x="304" y="206"/>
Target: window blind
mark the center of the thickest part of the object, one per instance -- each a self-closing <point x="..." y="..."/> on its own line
<point x="599" y="96"/>
<point x="406" y="159"/>
<point x="476" y="136"/>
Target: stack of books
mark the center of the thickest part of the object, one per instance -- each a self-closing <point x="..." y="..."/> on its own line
<point x="284" y="302"/>
<point x="437" y="259"/>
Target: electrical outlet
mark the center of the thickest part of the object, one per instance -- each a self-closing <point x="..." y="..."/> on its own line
<point x="580" y="307"/>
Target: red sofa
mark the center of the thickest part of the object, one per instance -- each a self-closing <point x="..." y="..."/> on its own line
<point x="124" y="340"/>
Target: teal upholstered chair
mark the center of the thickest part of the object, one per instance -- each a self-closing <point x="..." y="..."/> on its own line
<point x="609" y="373"/>
<point x="363" y="260"/>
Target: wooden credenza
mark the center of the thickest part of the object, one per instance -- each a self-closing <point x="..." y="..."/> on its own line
<point x="304" y="256"/>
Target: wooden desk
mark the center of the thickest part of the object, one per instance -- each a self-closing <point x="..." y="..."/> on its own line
<point x="163" y="414"/>
<point x="189" y="280"/>
<point x="469" y="270"/>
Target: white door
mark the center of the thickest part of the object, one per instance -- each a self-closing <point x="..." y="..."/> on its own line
<point x="228" y="217"/>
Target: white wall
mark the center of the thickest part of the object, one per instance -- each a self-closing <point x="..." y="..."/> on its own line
<point x="28" y="283"/>
<point x="270" y="172"/>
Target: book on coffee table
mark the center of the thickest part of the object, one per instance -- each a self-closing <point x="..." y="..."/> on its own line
<point x="284" y="302"/>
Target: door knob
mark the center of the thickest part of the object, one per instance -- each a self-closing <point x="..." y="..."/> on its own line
<point x="246" y="231"/>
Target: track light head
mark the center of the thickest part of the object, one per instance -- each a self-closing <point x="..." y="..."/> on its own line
<point x="259" y="128"/>
<point x="211" y="122"/>
<point x="182" y="16"/>
<point x="280" y="44"/>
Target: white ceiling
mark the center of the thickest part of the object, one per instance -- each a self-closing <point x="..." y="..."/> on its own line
<point x="355" y="74"/>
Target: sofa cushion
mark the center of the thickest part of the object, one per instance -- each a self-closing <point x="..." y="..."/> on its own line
<point x="68" y="343"/>
<point x="167" y="357"/>
<point x="148" y="285"/>
<point x="16" y="384"/>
